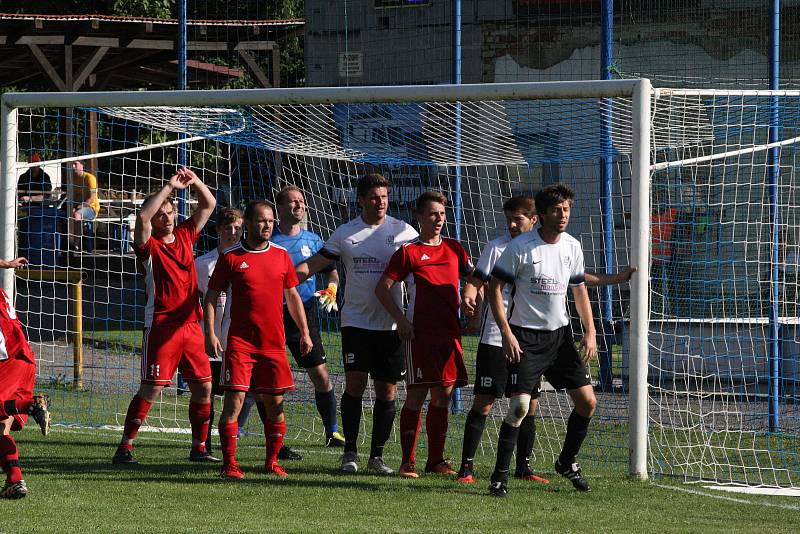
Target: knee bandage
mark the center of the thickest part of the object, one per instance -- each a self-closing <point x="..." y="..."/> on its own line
<point x="518" y="409"/>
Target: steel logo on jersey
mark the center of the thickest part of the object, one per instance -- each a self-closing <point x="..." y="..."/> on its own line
<point x="305" y="250"/>
<point x="390" y="240"/>
<point x="566" y="260"/>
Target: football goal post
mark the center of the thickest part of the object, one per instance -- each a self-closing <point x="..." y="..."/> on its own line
<point x="698" y="376"/>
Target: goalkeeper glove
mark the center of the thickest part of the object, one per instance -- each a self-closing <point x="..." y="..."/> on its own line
<point x="327" y="298"/>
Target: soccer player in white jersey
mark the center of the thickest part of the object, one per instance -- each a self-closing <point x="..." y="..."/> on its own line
<point x="370" y="342"/>
<point x="536" y="332"/>
<point x="490" y="364"/>
<point x="229" y="232"/>
<point x="430" y="329"/>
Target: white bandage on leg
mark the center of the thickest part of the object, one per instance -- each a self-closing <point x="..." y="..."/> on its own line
<point x="518" y="409"/>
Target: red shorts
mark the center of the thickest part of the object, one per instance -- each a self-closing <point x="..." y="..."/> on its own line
<point x="435" y="361"/>
<point x="252" y="371"/>
<point x="167" y="348"/>
<point x="17" y="383"/>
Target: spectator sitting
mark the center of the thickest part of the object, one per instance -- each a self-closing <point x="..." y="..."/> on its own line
<point x="83" y="201"/>
<point x="34" y="184"/>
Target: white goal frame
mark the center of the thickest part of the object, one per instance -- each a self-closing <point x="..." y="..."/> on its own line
<point x="639" y="90"/>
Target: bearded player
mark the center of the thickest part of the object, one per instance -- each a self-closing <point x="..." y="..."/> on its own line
<point x="257" y="276"/>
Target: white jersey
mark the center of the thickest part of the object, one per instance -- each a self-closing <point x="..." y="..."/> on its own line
<point x="364" y="250"/>
<point x="540" y="273"/>
<point x="205" y="268"/>
<point x="490" y="332"/>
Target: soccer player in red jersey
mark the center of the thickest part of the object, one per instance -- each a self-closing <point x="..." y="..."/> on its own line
<point x="17" y="402"/>
<point x="257" y="276"/>
<point x="430" y="266"/>
<point x="173" y="337"/>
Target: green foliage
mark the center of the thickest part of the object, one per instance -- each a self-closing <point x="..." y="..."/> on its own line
<point x="160" y="9"/>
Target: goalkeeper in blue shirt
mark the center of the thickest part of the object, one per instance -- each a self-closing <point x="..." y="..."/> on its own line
<point x="301" y="245"/>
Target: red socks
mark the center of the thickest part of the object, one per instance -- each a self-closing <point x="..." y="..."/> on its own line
<point x="436" y="427"/>
<point x="273" y="435"/>
<point x="199" y="416"/>
<point x="137" y="411"/>
<point x="9" y="459"/>
<point x="410" y="421"/>
<point x="227" y="440"/>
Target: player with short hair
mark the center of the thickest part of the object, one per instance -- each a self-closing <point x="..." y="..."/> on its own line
<point x="370" y="343"/>
<point x="173" y="337"/>
<point x="17" y="401"/>
<point x="229" y="232"/>
<point x="257" y="276"/>
<point x="537" y="336"/>
<point x="430" y="266"/>
<point x="301" y="245"/>
<point x="491" y="371"/>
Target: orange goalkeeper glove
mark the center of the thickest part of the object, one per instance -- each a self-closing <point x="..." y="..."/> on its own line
<point x="327" y="298"/>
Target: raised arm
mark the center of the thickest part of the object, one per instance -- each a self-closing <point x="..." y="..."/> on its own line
<point x="213" y="345"/>
<point x="296" y="310"/>
<point x="144" y="225"/>
<point x="603" y="279"/>
<point x="382" y="291"/>
<point x="584" y="308"/>
<point x="205" y="199"/>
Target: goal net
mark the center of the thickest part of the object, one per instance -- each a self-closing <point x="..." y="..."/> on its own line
<point x="702" y="323"/>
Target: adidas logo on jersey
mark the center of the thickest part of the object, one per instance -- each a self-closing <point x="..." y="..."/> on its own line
<point x="244" y="265"/>
<point x="425" y="257"/>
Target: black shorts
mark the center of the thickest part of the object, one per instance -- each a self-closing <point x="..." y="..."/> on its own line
<point x="317" y="355"/>
<point x="549" y="353"/>
<point x="377" y="352"/>
<point x="491" y="371"/>
<point x="216" y="375"/>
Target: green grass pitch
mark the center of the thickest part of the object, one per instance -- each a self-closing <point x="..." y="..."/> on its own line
<point x="74" y="488"/>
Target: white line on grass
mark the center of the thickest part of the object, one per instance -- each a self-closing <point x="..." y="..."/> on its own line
<point x="726" y="498"/>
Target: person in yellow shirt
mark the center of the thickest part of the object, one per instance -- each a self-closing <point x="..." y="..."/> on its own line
<point x="83" y="201"/>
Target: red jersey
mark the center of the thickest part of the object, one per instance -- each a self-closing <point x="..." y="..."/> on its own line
<point x="13" y="344"/>
<point x="431" y="273"/>
<point x="170" y="278"/>
<point x="254" y="281"/>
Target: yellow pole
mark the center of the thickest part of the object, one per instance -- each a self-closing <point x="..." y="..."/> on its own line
<point x="77" y="342"/>
<point x="74" y="277"/>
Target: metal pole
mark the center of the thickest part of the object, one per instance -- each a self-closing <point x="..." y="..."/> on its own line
<point x="456" y="404"/>
<point x="8" y="203"/>
<point x="606" y="204"/>
<point x="182" y="85"/>
<point x="640" y="254"/>
<point x="773" y="165"/>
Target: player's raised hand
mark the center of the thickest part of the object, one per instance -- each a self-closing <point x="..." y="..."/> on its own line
<point x="405" y="330"/>
<point x="588" y="347"/>
<point x="213" y="346"/>
<point x="511" y="348"/>
<point x="306" y="344"/>
<point x="327" y="298"/>
<point x="189" y="176"/>
<point x="178" y="181"/>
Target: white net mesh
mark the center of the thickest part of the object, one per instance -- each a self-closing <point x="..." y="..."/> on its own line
<point x="723" y="375"/>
